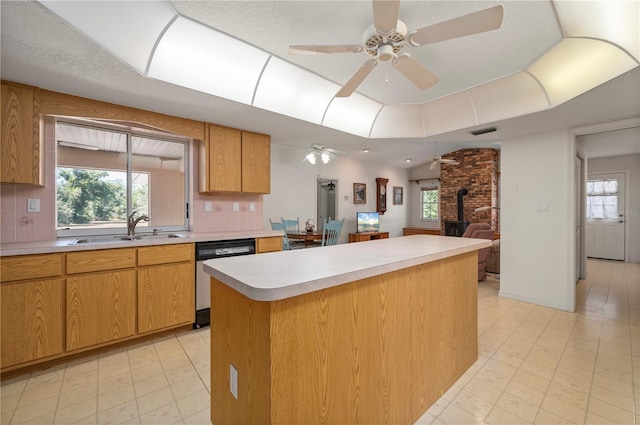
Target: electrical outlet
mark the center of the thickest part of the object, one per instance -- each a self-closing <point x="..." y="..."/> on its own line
<point x="233" y="381"/>
<point x="207" y="206"/>
<point x="252" y="206"/>
<point x="236" y="207"/>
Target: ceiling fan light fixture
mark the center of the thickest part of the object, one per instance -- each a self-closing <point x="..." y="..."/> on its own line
<point x="386" y="53"/>
<point x="311" y="157"/>
<point x="325" y="157"/>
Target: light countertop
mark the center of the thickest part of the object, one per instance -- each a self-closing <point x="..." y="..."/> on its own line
<point x="62" y="244"/>
<point x="279" y="275"/>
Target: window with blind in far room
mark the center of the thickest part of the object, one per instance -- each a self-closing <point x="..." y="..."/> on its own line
<point x="430" y="203"/>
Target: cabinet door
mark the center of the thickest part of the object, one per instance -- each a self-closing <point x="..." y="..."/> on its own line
<point x="166" y="296"/>
<point x="220" y="160"/>
<point x="101" y="307"/>
<point x="20" y="141"/>
<point x="256" y="163"/>
<point x="270" y="244"/>
<point x="32" y="320"/>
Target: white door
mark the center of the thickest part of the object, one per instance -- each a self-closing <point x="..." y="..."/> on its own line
<point x="605" y="216"/>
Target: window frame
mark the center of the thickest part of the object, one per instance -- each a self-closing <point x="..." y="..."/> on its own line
<point x="430" y="187"/>
<point x="131" y="132"/>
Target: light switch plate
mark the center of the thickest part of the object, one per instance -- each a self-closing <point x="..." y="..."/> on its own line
<point x="33" y="205"/>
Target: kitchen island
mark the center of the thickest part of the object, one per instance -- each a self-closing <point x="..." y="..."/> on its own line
<point x="365" y="333"/>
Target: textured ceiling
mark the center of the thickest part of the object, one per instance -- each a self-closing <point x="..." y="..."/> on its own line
<point x="39" y="48"/>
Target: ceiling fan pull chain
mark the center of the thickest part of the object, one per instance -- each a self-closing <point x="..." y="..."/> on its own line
<point x="386" y="73"/>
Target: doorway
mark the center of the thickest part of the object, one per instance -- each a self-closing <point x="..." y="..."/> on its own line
<point x="605" y="226"/>
<point x="327" y="197"/>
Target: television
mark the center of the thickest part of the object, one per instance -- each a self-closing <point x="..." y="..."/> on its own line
<point x="367" y="222"/>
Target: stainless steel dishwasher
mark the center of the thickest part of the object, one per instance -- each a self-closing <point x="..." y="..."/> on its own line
<point x="207" y="251"/>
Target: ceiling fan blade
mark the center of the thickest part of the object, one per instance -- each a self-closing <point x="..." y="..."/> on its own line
<point x="385" y="15"/>
<point x="357" y="78"/>
<point x="449" y="161"/>
<point x="473" y="23"/>
<point x="318" y="50"/>
<point x="414" y="71"/>
<point x="433" y="164"/>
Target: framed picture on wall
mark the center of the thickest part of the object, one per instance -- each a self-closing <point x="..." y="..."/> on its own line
<point x="359" y="193"/>
<point x="397" y="195"/>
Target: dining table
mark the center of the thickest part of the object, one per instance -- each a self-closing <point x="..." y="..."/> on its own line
<point x="309" y="238"/>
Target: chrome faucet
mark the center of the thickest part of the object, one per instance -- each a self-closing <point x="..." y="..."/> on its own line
<point x="132" y="223"/>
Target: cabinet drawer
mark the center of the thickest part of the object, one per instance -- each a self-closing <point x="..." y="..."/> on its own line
<point x="270" y="244"/>
<point x="31" y="267"/>
<point x="162" y="254"/>
<point x="107" y="259"/>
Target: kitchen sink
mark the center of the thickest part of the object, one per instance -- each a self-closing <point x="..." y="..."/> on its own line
<point x="123" y="238"/>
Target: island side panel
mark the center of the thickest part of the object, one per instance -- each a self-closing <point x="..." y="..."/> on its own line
<point x="239" y="336"/>
<point x="377" y="350"/>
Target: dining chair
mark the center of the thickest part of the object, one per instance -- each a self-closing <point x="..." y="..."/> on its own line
<point x="291" y="225"/>
<point x="285" y="239"/>
<point x="331" y="232"/>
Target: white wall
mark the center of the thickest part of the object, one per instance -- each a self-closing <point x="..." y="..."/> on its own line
<point x="537" y="262"/>
<point x="293" y="189"/>
<point x="630" y="164"/>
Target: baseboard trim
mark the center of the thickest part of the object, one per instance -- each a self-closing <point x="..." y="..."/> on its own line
<point x="531" y="300"/>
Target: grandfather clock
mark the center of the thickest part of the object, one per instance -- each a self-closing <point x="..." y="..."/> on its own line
<point x="381" y="192"/>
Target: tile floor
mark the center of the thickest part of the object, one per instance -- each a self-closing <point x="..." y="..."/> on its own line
<point x="536" y="365"/>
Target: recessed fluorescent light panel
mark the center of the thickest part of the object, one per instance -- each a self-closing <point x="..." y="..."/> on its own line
<point x="198" y="57"/>
<point x="293" y="91"/>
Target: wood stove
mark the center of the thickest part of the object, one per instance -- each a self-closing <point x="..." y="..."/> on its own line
<point x="457" y="228"/>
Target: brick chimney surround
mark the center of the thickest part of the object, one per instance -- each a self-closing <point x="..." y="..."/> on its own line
<point x="478" y="173"/>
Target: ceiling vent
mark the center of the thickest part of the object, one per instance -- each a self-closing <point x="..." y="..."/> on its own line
<point x="483" y="131"/>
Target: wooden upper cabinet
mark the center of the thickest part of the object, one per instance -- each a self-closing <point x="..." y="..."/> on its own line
<point x="21" y="145"/>
<point x="234" y="161"/>
<point x="220" y="156"/>
<point x="256" y="163"/>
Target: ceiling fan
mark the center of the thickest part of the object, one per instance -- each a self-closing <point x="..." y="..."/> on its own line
<point x="437" y="159"/>
<point x="388" y="35"/>
<point x="322" y="152"/>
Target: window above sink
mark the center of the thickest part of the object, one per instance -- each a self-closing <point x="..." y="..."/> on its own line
<point x="107" y="171"/>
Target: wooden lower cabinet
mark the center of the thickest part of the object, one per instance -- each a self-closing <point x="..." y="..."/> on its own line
<point x="101" y="307"/>
<point x="268" y="244"/>
<point x="166" y="296"/>
<point x="54" y="305"/>
<point x="32" y="320"/>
